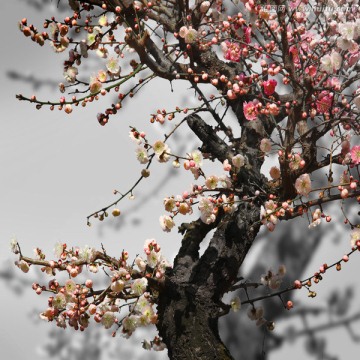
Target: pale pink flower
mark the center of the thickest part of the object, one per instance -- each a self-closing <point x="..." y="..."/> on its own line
<point x="95" y="85"/>
<point x="235" y="304"/>
<point x="59" y="301"/>
<point x="138" y="287"/>
<point x="347" y="30"/>
<point x="183" y="31"/>
<point x="166" y="223"/>
<point x="326" y="64"/>
<point x="208" y="219"/>
<point x="140" y="263"/>
<point x="117" y="286"/>
<point x="226" y="165"/>
<point x="113" y="66"/>
<point x="191" y="36"/>
<point x="336" y="60"/>
<point x="225" y="181"/>
<point x="130" y="323"/>
<point x="14" y="246"/>
<point x="295" y="162"/>
<point x="238" y="161"/>
<point x="153" y="258"/>
<point x="354" y="236"/>
<point x="70" y="286"/>
<point x="197" y="157"/>
<point x="204" y="6"/>
<point x="103" y="21"/>
<point x="102" y="75"/>
<point x="355" y="154"/>
<point x="344" y="44"/>
<point x="23" y="266"/>
<point x="265" y="145"/>
<point x="206" y="206"/>
<point x="353" y="59"/>
<point x="169" y="204"/>
<point x="184" y="208"/>
<point x="331" y="63"/>
<point x="303" y="184"/>
<point x="70" y="74"/>
<point x="108" y="319"/>
<point x="159" y="147"/>
<point x="211" y="182"/>
<point x="141" y="155"/>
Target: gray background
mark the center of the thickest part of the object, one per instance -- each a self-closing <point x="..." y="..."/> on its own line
<point x="56" y="169"/>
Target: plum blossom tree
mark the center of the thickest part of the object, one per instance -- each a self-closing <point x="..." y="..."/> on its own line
<point x="288" y="71"/>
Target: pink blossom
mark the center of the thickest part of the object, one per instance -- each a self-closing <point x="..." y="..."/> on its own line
<point x="204" y="6"/>
<point x="311" y="70"/>
<point x="273" y="109"/>
<point x="355" y="154"/>
<point x="303" y="184"/>
<point x="95" y="85"/>
<point x="226" y="165"/>
<point x="269" y="86"/>
<point x="250" y="110"/>
<point x="324" y="102"/>
<point x="295" y="54"/>
<point x="231" y="51"/>
<point x="247" y="34"/>
<point x="183" y="31"/>
<point x="265" y="145"/>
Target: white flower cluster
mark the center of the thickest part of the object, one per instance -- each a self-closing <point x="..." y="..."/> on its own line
<point x="270" y="213"/>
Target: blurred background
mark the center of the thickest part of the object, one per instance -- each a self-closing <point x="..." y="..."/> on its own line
<point x="56" y="169"/>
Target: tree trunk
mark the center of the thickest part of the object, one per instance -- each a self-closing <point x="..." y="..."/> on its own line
<point x="188" y="324"/>
<point x="190" y="303"/>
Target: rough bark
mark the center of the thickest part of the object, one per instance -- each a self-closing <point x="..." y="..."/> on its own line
<point x="190" y="304"/>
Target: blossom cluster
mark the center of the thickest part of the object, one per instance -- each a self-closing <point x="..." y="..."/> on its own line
<point x="74" y="303"/>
